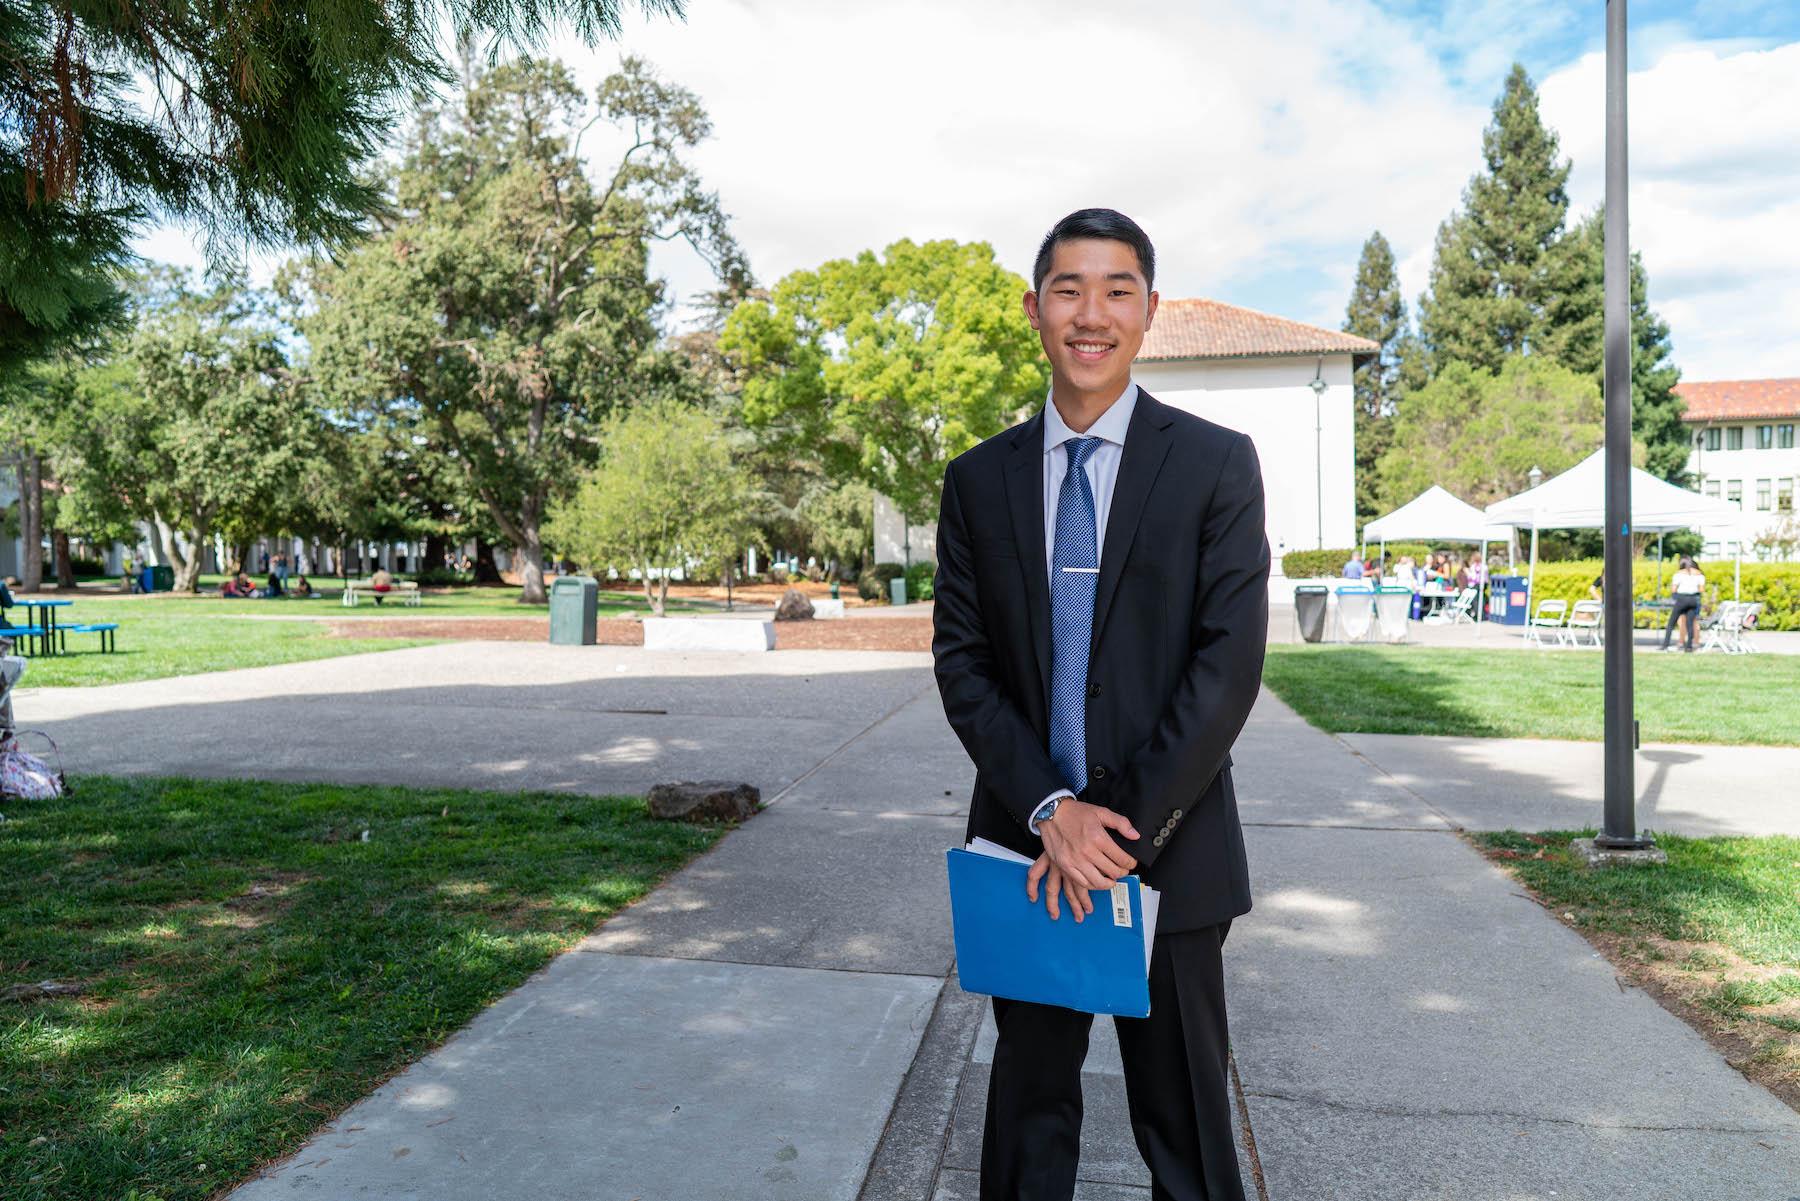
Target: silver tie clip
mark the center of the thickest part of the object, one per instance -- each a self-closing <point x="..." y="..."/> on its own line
<point x="1092" y="569"/>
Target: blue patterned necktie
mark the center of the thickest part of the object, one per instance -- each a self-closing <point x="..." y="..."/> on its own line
<point x="1072" y="615"/>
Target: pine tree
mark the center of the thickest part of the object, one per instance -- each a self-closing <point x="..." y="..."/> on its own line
<point x="1493" y="265"/>
<point x="1575" y="327"/>
<point x="1377" y="312"/>
<point x="253" y="121"/>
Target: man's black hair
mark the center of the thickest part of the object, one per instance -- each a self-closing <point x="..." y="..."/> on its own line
<point x="1096" y="223"/>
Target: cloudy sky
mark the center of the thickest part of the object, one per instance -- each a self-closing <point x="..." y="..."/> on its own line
<point x="1258" y="145"/>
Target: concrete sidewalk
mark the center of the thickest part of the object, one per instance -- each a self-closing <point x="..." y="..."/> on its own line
<point x="781" y="1018"/>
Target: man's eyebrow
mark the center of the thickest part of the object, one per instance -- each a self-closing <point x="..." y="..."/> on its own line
<point x="1077" y="277"/>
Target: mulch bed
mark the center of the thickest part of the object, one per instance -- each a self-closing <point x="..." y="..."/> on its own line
<point x="874" y="634"/>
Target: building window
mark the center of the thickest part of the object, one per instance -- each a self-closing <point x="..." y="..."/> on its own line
<point x="1712" y="488"/>
<point x="1734" y="491"/>
<point x="1734" y="438"/>
<point x="1784" y="495"/>
<point x="1712" y="437"/>
<point x="1710" y="551"/>
<point x="1762" y="496"/>
<point x="1765" y="437"/>
<point x="1784" y="437"/>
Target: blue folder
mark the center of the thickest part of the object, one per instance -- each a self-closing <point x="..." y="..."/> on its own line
<point x="1008" y="946"/>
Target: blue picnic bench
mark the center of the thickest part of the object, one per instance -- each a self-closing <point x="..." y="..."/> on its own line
<point x="37" y="638"/>
<point x="108" y="631"/>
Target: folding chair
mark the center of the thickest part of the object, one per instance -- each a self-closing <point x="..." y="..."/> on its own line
<point x="1550" y="615"/>
<point x="1356" y="613"/>
<point x="1722" y="628"/>
<point x="1584" y="618"/>
<point x="1747" y="627"/>
<point x="1456" y="610"/>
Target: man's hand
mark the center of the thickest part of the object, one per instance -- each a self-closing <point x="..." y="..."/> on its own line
<point x="1079" y="854"/>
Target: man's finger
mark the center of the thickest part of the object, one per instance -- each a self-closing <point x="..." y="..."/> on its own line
<point x="1118" y="821"/>
<point x="1051" y="888"/>
<point x="1034" y="875"/>
<point x="1078" y="902"/>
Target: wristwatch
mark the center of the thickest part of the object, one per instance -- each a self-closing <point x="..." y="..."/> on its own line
<point x="1046" y="809"/>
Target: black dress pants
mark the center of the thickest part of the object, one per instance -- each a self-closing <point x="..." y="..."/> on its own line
<point x="1175" y="1080"/>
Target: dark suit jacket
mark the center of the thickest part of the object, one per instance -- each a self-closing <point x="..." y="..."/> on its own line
<point x="1180" y="622"/>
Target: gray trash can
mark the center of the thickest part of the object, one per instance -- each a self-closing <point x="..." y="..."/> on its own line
<point x="1309" y="610"/>
<point x="574" y="605"/>
<point x="897" y="590"/>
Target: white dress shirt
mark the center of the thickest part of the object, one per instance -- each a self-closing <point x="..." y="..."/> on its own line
<point x="1102" y="469"/>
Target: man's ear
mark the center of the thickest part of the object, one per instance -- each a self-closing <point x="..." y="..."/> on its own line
<point x="1031" y="307"/>
<point x="1150" y="313"/>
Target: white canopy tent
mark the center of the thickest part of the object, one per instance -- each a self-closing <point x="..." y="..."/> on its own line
<point x="1576" y="500"/>
<point x="1436" y="515"/>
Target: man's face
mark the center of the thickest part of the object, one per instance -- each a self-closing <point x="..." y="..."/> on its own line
<point x="1092" y="312"/>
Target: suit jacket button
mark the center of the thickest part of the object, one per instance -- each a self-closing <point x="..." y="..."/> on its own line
<point x="1157" y="841"/>
<point x="1098" y="772"/>
<point x="1093" y="690"/>
<point x="1176" y="815"/>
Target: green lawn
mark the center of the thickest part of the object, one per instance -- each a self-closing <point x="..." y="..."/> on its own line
<point x="252" y="966"/>
<point x="153" y="643"/>
<point x="1535" y="694"/>
<point x="1716" y="931"/>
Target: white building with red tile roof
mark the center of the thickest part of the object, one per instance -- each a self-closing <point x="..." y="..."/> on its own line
<point x="1744" y="449"/>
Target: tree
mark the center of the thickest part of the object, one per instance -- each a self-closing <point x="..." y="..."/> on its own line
<point x="1377" y="312"/>
<point x="208" y="432"/>
<point x="1575" y="337"/>
<point x="840" y="521"/>
<point x="665" y="495"/>
<point x="884" y="368"/>
<point x="1479" y="433"/>
<point x="506" y="309"/>
<point x="251" y="120"/>
<point x="1493" y="266"/>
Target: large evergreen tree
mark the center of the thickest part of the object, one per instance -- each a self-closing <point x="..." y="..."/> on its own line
<point x="1376" y="312"/>
<point x="249" y="119"/>
<point x="1493" y="269"/>
<point x="1575" y="337"/>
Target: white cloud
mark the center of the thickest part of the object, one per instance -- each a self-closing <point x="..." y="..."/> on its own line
<point x="1715" y="195"/>
<point x="1257" y="146"/>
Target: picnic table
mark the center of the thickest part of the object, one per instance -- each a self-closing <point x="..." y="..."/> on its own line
<point x="46" y="617"/>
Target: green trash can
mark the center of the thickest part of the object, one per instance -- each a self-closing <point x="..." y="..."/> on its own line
<point x="162" y="578"/>
<point x="574" y="604"/>
<point x="897" y="590"/>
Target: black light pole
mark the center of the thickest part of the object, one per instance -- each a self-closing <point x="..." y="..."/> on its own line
<point x="1620" y="831"/>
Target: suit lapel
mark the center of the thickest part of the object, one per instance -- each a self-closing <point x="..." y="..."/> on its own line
<point x="1146" y="447"/>
<point x="1025" y="501"/>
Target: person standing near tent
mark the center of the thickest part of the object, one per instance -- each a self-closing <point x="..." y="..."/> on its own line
<point x="1686" y="585"/>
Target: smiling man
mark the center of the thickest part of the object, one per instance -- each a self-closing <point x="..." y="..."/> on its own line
<point x="1100" y="615"/>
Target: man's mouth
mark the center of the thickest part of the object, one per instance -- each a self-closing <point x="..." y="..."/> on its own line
<point x="1087" y="351"/>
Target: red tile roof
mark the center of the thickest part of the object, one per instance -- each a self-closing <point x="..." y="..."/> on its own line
<point x="1735" y="399"/>
<point x="1211" y="329"/>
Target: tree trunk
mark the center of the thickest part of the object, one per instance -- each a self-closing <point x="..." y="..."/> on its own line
<point x="650" y="590"/>
<point x="435" y="546"/>
<point x="65" y="564"/>
<point x="531" y="568"/>
<point x="31" y="521"/>
<point x="486" y="572"/>
<point x="186" y="563"/>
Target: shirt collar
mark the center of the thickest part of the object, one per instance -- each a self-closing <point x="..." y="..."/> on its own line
<point x="1111" y="426"/>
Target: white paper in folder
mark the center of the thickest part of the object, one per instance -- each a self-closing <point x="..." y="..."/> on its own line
<point x="1148" y="897"/>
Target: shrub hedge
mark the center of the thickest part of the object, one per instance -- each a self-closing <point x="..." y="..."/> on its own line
<point x="1776" y="585"/>
<point x="1311" y="564"/>
<point x="919" y="578"/>
<point x="872" y="585"/>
